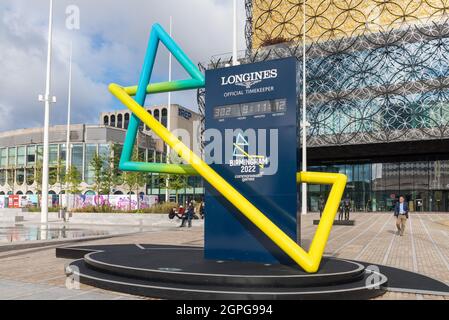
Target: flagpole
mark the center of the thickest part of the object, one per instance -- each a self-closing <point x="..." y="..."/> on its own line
<point x="235" y="60"/>
<point x="46" y="99"/>
<point x="170" y="56"/>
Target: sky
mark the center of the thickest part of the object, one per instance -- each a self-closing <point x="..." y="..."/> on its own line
<point x="108" y="47"/>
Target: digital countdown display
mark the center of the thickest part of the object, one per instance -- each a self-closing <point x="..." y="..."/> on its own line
<point x="248" y="109"/>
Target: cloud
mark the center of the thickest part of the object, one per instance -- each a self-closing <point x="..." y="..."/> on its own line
<point x="109" y="47"/>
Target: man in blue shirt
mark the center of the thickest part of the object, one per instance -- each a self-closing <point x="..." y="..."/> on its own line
<point x="401" y="214"/>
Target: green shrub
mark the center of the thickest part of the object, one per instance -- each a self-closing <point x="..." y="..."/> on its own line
<point x="36" y="209"/>
<point x="164" y="207"/>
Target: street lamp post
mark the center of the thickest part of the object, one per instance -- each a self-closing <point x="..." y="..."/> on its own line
<point x="69" y="109"/>
<point x="47" y="100"/>
<point x="304" y="113"/>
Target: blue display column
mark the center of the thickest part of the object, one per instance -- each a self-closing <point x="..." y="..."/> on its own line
<point x="251" y="118"/>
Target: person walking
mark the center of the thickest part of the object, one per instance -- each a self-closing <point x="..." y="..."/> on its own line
<point x="321" y="205"/>
<point x="347" y="204"/>
<point x="202" y="211"/>
<point x="401" y="215"/>
<point x="340" y="211"/>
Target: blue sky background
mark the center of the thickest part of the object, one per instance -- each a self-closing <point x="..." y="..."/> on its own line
<point x="109" y="47"/>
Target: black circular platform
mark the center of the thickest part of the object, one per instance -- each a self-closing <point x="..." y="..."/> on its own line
<point x="170" y="272"/>
<point x="188" y="266"/>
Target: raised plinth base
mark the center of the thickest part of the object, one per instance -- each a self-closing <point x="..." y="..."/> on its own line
<point x="170" y="272"/>
<point x="338" y="222"/>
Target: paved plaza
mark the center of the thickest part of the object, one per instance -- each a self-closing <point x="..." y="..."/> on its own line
<point x="37" y="274"/>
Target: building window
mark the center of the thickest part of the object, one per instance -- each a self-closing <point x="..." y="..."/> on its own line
<point x="104" y="152"/>
<point x="53" y="176"/>
<point x="62" y="154"/>
<point x="21" y="156"/>
<point x="164" y="119"/>
<point x="20" y="176"/>
<point x="157" y="114"/>
<point x="29" y="176"/>
<point x="126" y="120"/>
<point x="3" y="158"/>
<point x="113" y="121"/>
<point x="2" y="177"/>
<point x="77" y="157"/>
<point x="120" y="121"/>
<point x="106" y="120"/>
<point x="89" y="174"/>
<point x="151" y="156"/>
<point x="40" y="153"/>
<point x="53" y="154"/>
<point x="31" y="155"/>
<point x="146" y="127"/>
<point x="12" y="156"/>
<point x="11" y="177"/>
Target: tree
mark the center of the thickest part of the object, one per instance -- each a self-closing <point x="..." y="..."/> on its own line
<point x="134" y="180"/>
<point x="109" y="177"/>
<point x="73" y="181"/>
<point x="174" y="182"/>
<point x="97" y="164"/>
<point x="57" y="173"/>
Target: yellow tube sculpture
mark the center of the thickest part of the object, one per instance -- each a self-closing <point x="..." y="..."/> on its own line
<point x="309" y="260"/>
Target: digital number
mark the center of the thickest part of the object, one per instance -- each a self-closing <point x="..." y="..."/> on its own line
<point x="248" y="169"/>
<point x="251" y="109"/>
<point x="280" y="106"/>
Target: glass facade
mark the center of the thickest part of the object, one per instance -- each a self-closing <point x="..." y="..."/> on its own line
<point x="18" y="164"/>
<point x="377" y="186"/>
<point x="193" y="191"/>
<point x="21" y="166"/>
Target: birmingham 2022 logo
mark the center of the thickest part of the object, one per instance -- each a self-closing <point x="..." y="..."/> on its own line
<point x="251" y="153"/>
